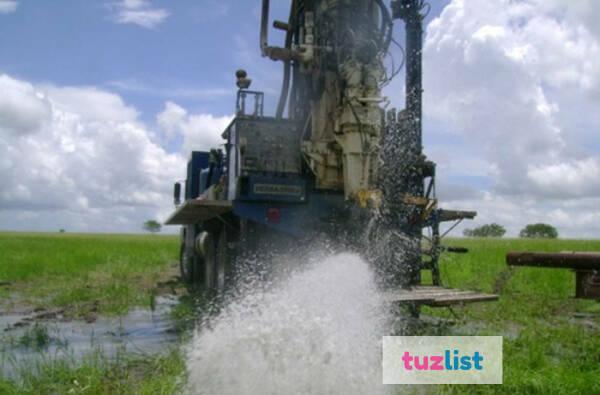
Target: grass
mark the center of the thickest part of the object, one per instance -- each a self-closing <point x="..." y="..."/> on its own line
<point x="547" y="350"/>
<point x="551" y="340"/>
<point x="84" y="273"/>
<point x="98" y="374"/>
<point x="36" y="336"/>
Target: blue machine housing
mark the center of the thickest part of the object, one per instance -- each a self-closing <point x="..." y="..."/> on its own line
<point x="197" y="162"/>
<point x="265" y="177"/>
<point x="204" y="169"/>
<point x="273" y="188"/>
<point x="294" y="219"/>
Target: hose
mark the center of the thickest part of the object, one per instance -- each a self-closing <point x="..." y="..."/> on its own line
<point x="264" y="27"/>
<point x="386" y="23"/>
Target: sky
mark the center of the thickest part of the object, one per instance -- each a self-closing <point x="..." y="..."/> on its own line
<point x="101" y="103"/>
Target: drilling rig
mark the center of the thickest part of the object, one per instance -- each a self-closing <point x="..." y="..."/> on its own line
<point x="332" y="162"/>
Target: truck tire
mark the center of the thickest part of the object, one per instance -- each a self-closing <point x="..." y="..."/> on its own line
<point x="223" y="261"/>
<point x="210" y="264"/>
<point x="187" y="266"/>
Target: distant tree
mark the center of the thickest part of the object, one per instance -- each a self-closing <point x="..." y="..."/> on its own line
<point x="152" y="226"/>
<point x="61" y="231"/>
<point x="488" y="230"/>
<point x="539" y="231"/>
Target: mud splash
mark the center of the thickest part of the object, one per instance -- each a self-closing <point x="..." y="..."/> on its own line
<point x="316" y="332"/>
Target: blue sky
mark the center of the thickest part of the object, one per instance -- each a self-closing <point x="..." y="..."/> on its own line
<point x="191" y="56"/>
<point x="103" y="100"/>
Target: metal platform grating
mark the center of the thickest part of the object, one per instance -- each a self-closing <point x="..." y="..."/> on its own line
<point x="194" y="211"/>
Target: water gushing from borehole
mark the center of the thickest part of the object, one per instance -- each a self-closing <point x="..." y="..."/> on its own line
<point x="317" y="331"/>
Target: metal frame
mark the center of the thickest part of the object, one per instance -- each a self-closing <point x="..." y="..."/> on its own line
<point x="240" y="105"/>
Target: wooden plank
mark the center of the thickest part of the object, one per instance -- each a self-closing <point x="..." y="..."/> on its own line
<point x="475" y="297"/>
<point x="407" y="297"/>
<point x="194" y="211"/>
<point x="436" y="296"/>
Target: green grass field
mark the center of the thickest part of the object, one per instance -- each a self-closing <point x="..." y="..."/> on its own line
<point x="552" y="341"/>
<point x="97" y="374"/>
<point x="83" y="272"/>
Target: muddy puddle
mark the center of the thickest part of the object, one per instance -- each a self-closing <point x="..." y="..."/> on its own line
<point x="26" y="339"/>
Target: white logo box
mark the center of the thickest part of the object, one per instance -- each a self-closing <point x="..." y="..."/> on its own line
<point x="488" y="359"/>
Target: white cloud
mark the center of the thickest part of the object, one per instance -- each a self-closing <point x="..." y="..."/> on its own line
<point x="22" y="110"/>
<point x="8" y="6"/>
<point x="199" y="131"/>
<point x="78" y="158"/>
<point x="512" y="79"/>
<point x="91" y="103"/>
<point x="139" y="12"/>
<point x="170" y="92"/>
<point x="577" y="178"/>
<point x="171" y="119"/>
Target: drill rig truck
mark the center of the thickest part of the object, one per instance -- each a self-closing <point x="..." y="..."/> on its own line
<point x="331" y="162"/>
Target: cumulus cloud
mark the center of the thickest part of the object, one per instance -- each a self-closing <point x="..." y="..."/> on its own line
<point x="22" y="109"/>
<point x="139" y="12"/>
<point x="577" y="178"/>
<point x="584" y="12"/>
<point x="510" y="78"/>
<point x="91" y="103"/>
<point x="200" y="132"/>
<point x="78" y="158"/>
<point x="8" y="6"/>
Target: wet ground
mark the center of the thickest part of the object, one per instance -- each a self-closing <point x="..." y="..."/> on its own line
<point x="26" y="338"/>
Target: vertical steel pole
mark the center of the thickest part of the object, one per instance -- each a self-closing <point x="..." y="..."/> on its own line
<point x="414" y="61"/>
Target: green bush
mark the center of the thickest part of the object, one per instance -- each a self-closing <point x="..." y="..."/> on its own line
<point x="488" y="230"/>
<point x="539" y="231"/>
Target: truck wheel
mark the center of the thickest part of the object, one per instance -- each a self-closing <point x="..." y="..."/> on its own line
<point x="223" y="261"/>
<point x="210" y="263"/>
<point x="186" y="265"/>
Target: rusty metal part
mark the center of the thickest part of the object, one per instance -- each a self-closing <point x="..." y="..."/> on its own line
<point x="454" y="215"/>
<point x="585" y="264"/>
<point x="567" y="260"/>
<point x="274" y="53"/>
<point x="282" y="26"/>
<point x="587" y="284"/>
<point x="457" y="250"/>
<point x="243" y="82"/>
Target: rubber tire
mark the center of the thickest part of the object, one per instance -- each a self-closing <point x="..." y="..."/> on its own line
<point x="187" y="267"/>
<point x="210" y="262"/>
<point x="223" y="263"/>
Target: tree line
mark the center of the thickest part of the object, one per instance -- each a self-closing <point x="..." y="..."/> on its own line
<point x="536" y="231"/>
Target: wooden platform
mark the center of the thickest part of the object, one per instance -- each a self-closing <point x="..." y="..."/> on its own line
<point x="193" y="211"/>
<point x="436" y="296"/>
